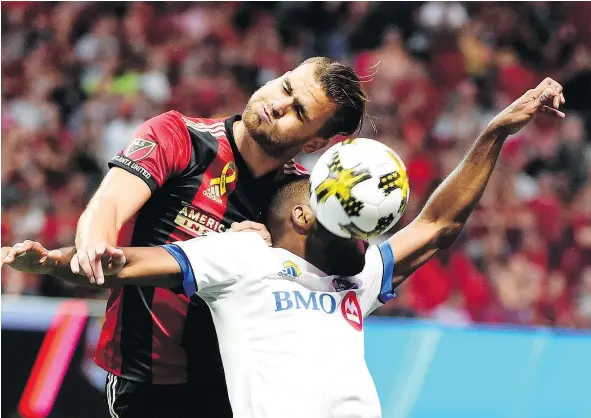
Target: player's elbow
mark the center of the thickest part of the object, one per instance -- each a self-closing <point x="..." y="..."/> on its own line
<point x="448" y="234"/>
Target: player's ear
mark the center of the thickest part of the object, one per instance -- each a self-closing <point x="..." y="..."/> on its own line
<point x="314" y="145"/>
<point x="303" y="217"/>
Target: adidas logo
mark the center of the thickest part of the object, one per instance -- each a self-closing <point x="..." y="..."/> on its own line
<point x="213" y="193"/>
<point x="290" y="270"/>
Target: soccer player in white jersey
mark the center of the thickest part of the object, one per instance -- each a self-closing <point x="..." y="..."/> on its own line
<point x="289" y="318"/>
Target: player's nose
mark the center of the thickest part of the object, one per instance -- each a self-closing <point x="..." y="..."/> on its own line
<point x="281" y="107"/>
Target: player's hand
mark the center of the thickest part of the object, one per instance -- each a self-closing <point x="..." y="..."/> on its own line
<point x="97" y="261"/>
<point x="30" y="257"/>
<point x="546" y="98"/>
<point x="253" y="227"/>
<point x="112" y="261"/>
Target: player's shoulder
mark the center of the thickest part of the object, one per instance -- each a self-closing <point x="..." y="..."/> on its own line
<point x="215" y="127"/>
<point x="242" y="249"/>
<point x="245" y="242"/>
<point x="247" y="249"/>
<point x="172" y="116"/>
<point x="206" y="125"/>
<point x="374" y="260"/>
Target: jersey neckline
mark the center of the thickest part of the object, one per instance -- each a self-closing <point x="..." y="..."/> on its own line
<point x="240" y="162"/>
<point x="309" y="267"/>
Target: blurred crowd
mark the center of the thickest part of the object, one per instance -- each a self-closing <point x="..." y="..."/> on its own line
<point x="79" y="77"/>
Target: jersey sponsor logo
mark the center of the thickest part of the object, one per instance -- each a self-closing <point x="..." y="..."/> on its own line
<point x="290" y="270"/>
<point x="139" y="149"/>
<point x="352" y="311"/>
<point x="314" y="301"/>
<point x="341" y="284"/>
<point x="218" y="186"/>
<point x="196" y="222"/>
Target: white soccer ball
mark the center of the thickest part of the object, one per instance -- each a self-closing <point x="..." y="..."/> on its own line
<point x="359" y="188"/>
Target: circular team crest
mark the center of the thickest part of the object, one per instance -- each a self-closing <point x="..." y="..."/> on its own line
<point x="352" y="311"/>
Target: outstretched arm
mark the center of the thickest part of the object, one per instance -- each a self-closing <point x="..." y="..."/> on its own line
<point x="169" y="266"/>
<point x="445" y="213"/>
<point x="150" y="266"/>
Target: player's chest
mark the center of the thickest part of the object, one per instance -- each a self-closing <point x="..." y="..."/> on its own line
<point x="208" y="201"/>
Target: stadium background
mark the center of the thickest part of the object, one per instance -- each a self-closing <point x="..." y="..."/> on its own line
<point x="79" y="77"/>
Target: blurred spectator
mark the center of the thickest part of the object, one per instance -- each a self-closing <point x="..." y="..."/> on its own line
<point x="438" y="16"/>
<point x="517" y="284"/>
<point x="583" y="299"/>
<point x="452" y="311"/>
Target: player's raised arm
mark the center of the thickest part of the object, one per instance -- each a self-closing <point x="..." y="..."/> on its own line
<point x="150" y="266"/>
<point x="445" y="213"/>
<point x="161" y="147"/>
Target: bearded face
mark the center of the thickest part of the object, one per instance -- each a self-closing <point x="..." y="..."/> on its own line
<point x="287" y="112"/>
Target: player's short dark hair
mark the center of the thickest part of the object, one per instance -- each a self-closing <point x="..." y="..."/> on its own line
<point x="343" y="87"/>
<point x="281" y="204"/>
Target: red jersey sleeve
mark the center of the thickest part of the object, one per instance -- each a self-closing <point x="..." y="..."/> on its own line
<point x="160" y="149"/>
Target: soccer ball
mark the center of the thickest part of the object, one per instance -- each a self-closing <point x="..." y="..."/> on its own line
<point x="359" y="188"/>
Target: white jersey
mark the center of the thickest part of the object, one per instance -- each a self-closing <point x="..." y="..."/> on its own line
<point x="290" y="337"/>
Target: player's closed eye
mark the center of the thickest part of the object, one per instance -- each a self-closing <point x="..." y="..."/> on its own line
<point x="299" y="113"/>
<point x="287" y="89"/>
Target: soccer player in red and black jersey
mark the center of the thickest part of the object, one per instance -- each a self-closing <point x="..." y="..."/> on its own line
<point x="181" y="177"/>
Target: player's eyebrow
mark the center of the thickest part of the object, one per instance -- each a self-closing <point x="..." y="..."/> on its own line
<point x="297" y="102"/>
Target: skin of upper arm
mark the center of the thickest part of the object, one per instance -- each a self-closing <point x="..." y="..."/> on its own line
<point x="124" y="190"/>
<point x="412" y="247"/>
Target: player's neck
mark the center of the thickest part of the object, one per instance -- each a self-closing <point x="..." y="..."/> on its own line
<point x="294" y="246"/>
<point x="259" y="162"/>
<point x="303" y="248"/>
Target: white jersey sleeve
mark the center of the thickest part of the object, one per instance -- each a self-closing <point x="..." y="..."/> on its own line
<point x="376" y="277"/>
<point x="212" y="265"/>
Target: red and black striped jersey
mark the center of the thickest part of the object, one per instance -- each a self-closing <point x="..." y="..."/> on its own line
<point x="200" y="184"/>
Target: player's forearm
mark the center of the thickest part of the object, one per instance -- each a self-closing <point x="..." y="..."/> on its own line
<point x="98" y="223"/>
<point x="62" y="270"/>
<point x="150" y="266"/>
<point x="452" y="202"/>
